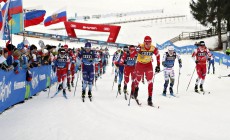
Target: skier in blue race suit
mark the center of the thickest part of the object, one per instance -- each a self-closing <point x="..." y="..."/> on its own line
<point x="87" y="57"/>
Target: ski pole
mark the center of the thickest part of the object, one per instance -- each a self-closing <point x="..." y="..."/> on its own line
<point x="191" y="79"/>
<point x="129" y="99"/>
<point x="76" y="83"/>
<point x="224" y="76"/>
<point x="178" y="82"/>
<point x="114" y="79"/>
<point x="49" y="87"/>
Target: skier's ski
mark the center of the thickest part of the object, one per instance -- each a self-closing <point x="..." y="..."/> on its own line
<point x="65" y="96"/>
<point x="125" y="96"/>
<point x="203" y="92"/>
<point x="155" y="106"/>
<point x="175" y="96"/>
<point x="91" y="99"/>
<point x="137" y="101"/>
<point x="55" y="94"/>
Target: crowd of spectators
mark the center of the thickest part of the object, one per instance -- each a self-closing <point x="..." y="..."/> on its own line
<point x="25" y="56"/>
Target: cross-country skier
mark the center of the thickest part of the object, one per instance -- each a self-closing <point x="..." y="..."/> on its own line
<point x="211" y="62"/>
<point x="119" y="69"/>
<point x="70" y="77"/>
<point x="129" y="61"/>
<point x="144" y="65"/>
<point x="200" y="56"/>
<point x="62" y="63"/>
<point x="88" y="57"/>
<point x="168" y="63"/>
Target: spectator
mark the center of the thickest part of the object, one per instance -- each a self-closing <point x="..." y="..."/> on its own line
<point x="211" y="62"/>
<point x="24" y="59"/>
<point x="33" y="54"/>
<point x="4" y="65"/>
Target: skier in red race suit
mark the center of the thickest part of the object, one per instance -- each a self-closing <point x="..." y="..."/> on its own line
<point x="129" y="61"/>
<point x="62" y="64"/>
<point x="144" y="65"/>
<point x="70" y="78"/>
<point x="201" y="54"/>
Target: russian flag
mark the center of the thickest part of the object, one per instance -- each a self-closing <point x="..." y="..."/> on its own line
<point x="15" y="7"/>
<point x="56" y="18"/>
<point x="34" y="17"/>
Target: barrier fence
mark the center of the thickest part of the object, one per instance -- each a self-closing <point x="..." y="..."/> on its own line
<point x="15" y="89"/>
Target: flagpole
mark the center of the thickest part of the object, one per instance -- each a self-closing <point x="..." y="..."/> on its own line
<point x="24" y="17"/>
<point x="9" y="18"/>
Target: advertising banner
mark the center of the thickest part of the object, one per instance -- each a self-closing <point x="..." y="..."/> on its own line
<point x="12" y="88"/>
<point x="112" y="29"/>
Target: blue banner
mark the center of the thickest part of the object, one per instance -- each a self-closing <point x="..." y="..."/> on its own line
<point x="40" y="80"/>
<point x="219" y="57"/>
<point x="14" y="88"/>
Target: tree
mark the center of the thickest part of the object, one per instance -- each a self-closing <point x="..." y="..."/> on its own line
<point x="209" y="12"/>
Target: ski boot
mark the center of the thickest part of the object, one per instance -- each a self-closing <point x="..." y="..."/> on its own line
<point x="208" y="72"/>
<point x="150" y="103"/>
<point x="119" y="89"/>
<point x="164" y="92"/>
<point x="90" y="95"/>
<point x="125" y="91"/>
<point x="171" y="91"/>
<point x="136" y="92"/>
<point x="64" y="93"/>
<point x="59" y="87"/>
<point x="83" y="94"/>
<point x="132" y="94"/>
<point x="68" y="85"/>
<point x="201" y="88"/>
<point x="196" y="88"/>
<point x="72" y="84"/>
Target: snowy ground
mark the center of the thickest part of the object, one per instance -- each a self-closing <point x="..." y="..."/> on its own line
<point x="191" y="116"/>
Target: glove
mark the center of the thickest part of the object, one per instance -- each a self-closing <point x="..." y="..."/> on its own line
<point x="180" y="65"/>
<point x="68" y="73"/>
<point x="209" y="59"/>
<point x="157" y="69"/>
<point x="196" y="61"/>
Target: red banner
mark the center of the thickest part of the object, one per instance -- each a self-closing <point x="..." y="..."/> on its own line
<point x="112" y="29"/>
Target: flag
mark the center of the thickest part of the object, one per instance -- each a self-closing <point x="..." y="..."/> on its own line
<point x="15" y="7"/>
<point x="16" y="23"/>
<point x="0" y="18"/>
<point x="5" y="32"/>
<point x="34" y="17"/>
<point x="56" y="18"/>
<point x="3" y="1"/>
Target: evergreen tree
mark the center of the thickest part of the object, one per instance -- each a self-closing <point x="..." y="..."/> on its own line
<point x="210" y="12"/>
